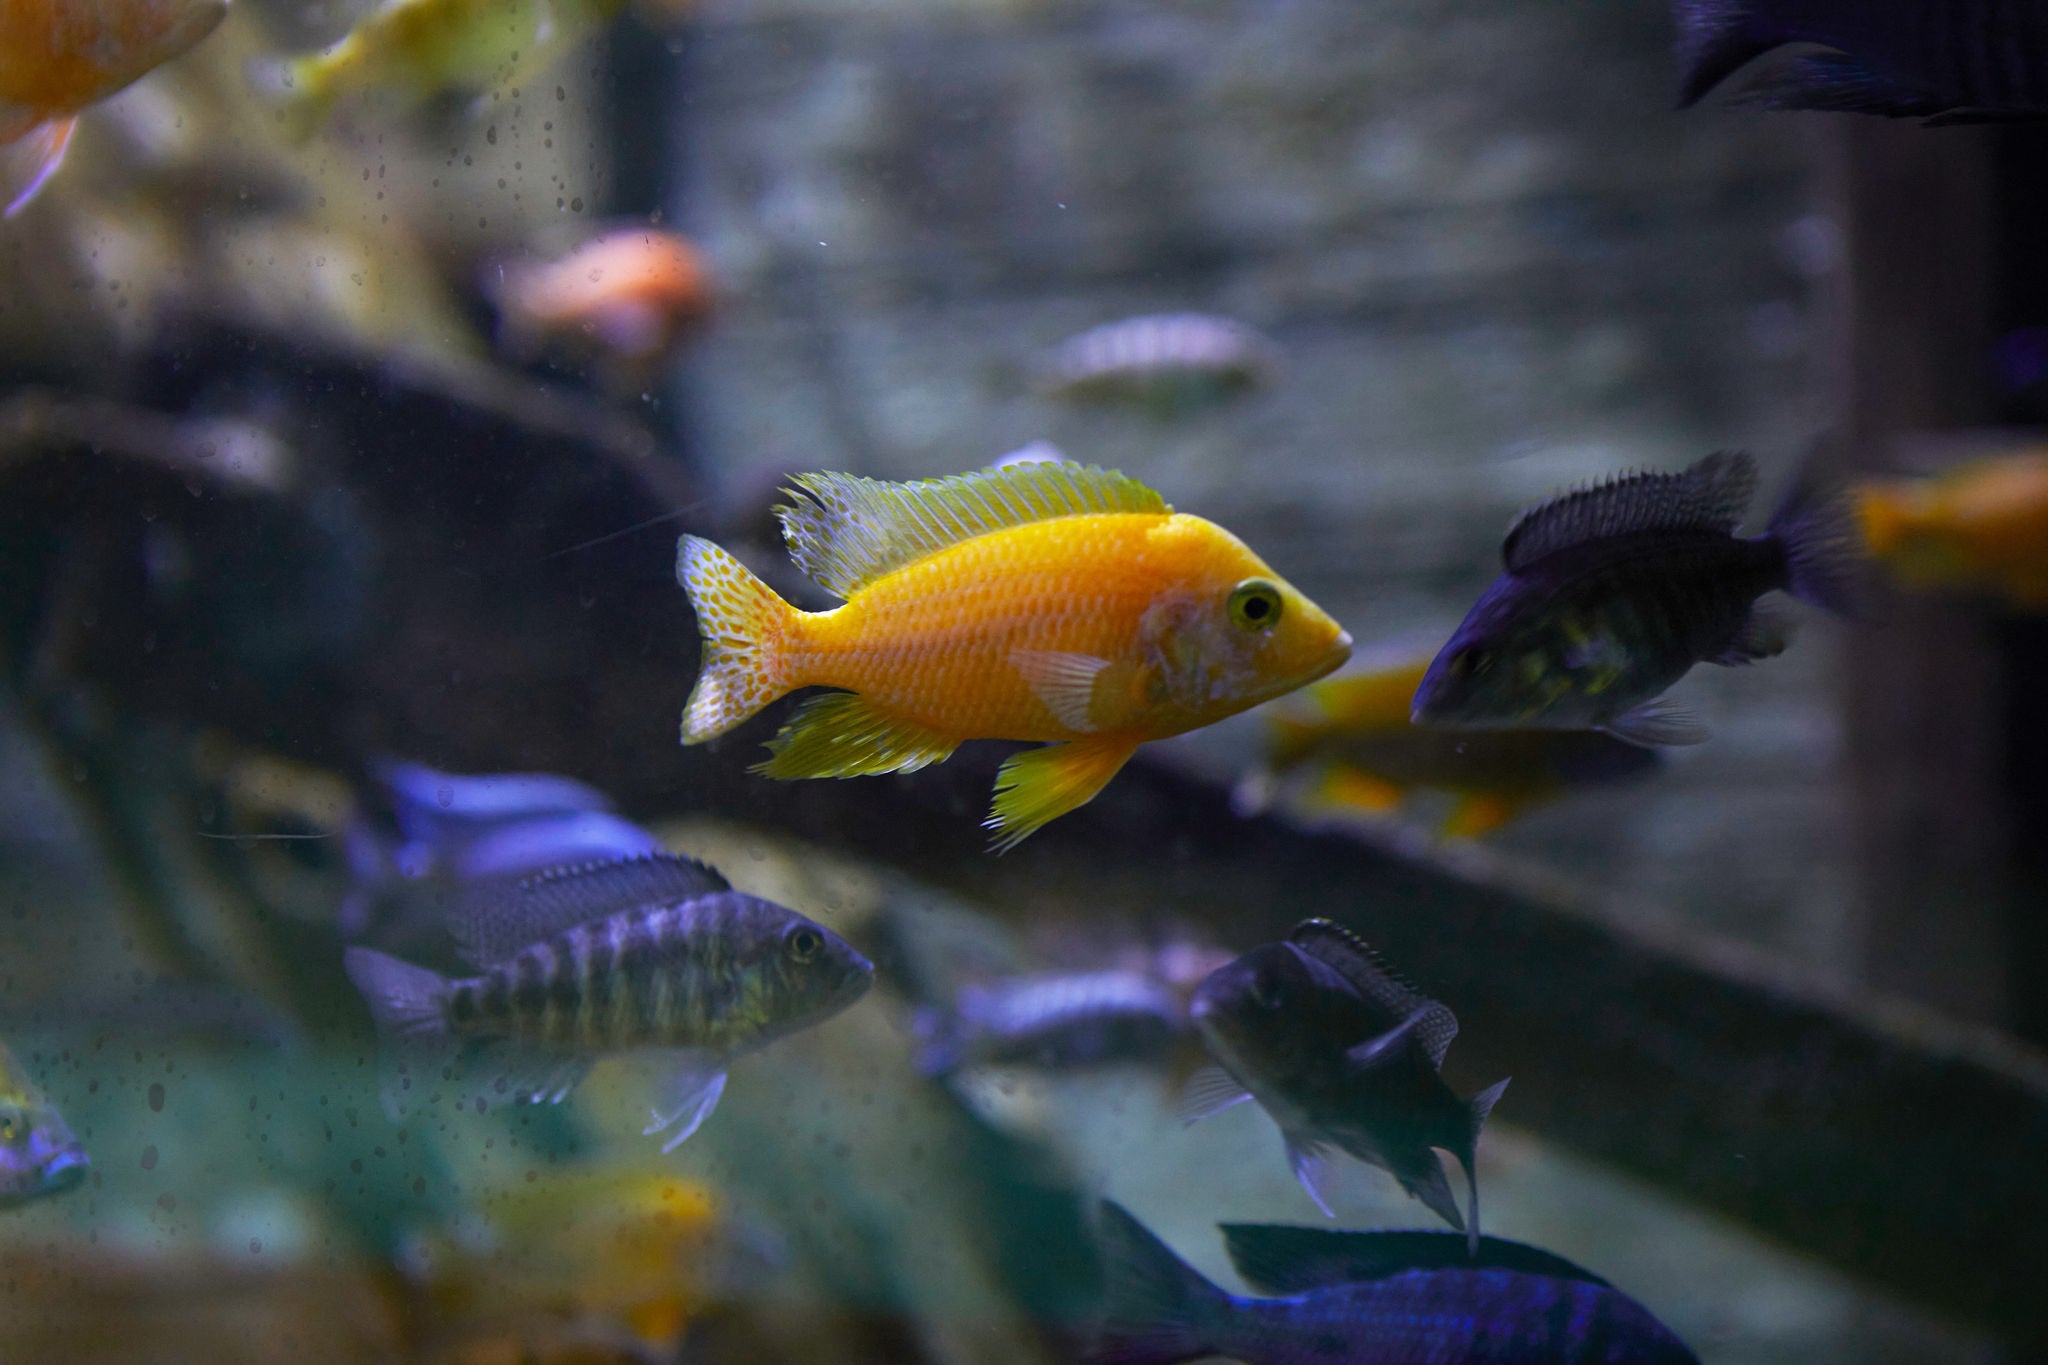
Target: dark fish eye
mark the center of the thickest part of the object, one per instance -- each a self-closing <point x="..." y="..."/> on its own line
<point x="804" y="943"/>
<point x="1471" y="662"/>
<point x="1255" y="604"/>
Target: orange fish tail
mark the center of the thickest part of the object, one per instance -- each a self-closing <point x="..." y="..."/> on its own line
<point x="745" y="629"/>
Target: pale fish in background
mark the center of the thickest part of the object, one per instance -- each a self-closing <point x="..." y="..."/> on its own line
<point x="38" y="1155"/>
<point x="1052" y="1021"/>
<point x="628" y="298"/>
<point x="1048" y="601"/>
<point x="1164" y="364"/>
<point x="653" y="954"/>
<point x="57" y="57"/>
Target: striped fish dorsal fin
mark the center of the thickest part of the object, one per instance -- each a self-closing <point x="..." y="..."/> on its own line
<point x="1357" y="962"/>
<point x="493" y="927"/>
<point x="1278" y="1259"/>
<point x="1710" y="495"/>
<point x="845" y="531"/>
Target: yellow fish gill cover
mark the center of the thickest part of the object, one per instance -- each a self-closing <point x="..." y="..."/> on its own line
<point x="1050" y="602"/>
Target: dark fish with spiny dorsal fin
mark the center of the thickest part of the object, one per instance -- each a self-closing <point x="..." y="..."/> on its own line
<point x="1399" y="1298"/>
<point x="1342" y="1054"/>
<point x="1945" y="61"/>
<point x="644" y="954"/>
<point x="1612" y="593"/>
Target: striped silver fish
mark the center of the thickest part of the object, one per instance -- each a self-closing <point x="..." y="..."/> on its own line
<point x="644" y="954"/>
<point x="1164" y="363"/>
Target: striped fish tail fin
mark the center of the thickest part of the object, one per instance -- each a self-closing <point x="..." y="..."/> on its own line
<point x="743" y="625"/>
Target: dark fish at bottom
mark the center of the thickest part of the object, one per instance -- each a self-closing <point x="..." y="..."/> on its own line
<point x="1946" y="61"/>
<point x="1400" y="1298"/>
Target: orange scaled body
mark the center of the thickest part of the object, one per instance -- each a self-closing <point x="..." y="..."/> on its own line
<point x="1983" y="526"/>
<point x="1039" y="602"/>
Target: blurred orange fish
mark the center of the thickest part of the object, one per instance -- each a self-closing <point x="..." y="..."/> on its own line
<point x="1045" y="601"/>
<point x="634" y="295"/>
<point x="1982" y="526"/>
<point x="59" y="56"/>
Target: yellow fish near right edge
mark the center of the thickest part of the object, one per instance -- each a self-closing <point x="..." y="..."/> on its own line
<point x="1052" y="602"/>
<point x="1982" y="526"/>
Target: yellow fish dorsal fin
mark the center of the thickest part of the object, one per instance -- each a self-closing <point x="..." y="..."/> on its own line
<point x="845" y="531"/>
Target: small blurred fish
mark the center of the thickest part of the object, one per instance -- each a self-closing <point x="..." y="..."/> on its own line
<point x="1351" y="739"/>
<point x="1051" y="602"/>
<point x="630" y="297"/>
<point x="1053" y="1021"/>
<point x="1031" y="452"/>
<point x="435" y="836"/>
<point x="38" y="1155"/>
<point x="1165" y="364"/>
<point x="1982" y="526"/>
<point x="1946" y="61"/>
<point x="1391" y="1298"/>
<point x="413" y="50"/>
<point x="59" y="56"/>
<point x="651" y="953"/>
<point x="1613" y="592"/>
<point x="1341" y="1053"/>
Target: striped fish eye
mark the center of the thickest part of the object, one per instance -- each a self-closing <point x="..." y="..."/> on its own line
<point x="1255" y="604"/>
<point x="803" y="942"/>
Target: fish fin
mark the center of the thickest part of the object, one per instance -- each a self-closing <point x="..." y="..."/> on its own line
<point x="742" y="623"/>
<point x="1352" y="788"/>
<point x="845" y="531"/>
<point x="1278" y="1259"/>
<point x="1762" y="635"/>
<point x="1352" y="958"/>
<point x="409" y="1006"/>
<point x="527" y="1073"/>
<point x="839" y="734"/>
<point x="1657" y="722"/>
<point x="1434" y="1190"/>
<point x="27" y="163"/>
<point x="1709" y="495"/>
<point x="1480" y="1105"/>
<point x="1309" y="1159"/>
<point x="698" y="1087"/>
<point x="1828" y="82"/>
<point x="1040" y="785"/>
<point x="1390" y="1046"/>
<point x="1157" y="1310"/>
<point x="1209" y="1092"/>
<point x="1716" y="38"/>
<point x="1064" y="682"/>
<point x="493" y="926"/>
<point x="1481" y="813"/>
<point x="1815" y="523"/>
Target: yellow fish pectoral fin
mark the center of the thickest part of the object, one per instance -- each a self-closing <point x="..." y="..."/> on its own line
<point x="1479" y="813"/>
<point x="841" y="735"/>
<point x="1040" y="785"/>
<point x="1355" y="789"/>
<point x="1064" y="682"/>
<point x="27" y="165"/>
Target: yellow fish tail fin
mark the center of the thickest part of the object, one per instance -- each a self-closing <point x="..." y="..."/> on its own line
<point x="1040" y="785"/>
<point x="841" y="735"/>
<point x="743" y="624"/>
<point x="26" y="166"/>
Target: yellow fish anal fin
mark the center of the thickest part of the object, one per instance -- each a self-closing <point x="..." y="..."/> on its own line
<point x="1065" y="683"/>
<point x="1040" y="785"/>
<point x="742" y="622"/>
<point x="1355" y="789"/>
<point x="845" y="531"/>
<point x="841" y="735"/>
<point x="27" y="165"/>
<point x="1479" y="813"/>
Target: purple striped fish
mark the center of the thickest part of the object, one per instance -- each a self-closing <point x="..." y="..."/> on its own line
<point x="645" y="954"/>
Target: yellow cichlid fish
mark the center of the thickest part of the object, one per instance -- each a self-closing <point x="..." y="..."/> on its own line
<point x="1982" y="526"/>
<point x="1052" y="602"/>
<point x="415" y="49"/>
<point x="59" y="56"/>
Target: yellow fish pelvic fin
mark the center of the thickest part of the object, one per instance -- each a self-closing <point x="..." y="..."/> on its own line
<point x="841" y="735"/>
<point x="742" y="623"/>
<point x="1040" y="785"/>
<point x="26" y="166"/>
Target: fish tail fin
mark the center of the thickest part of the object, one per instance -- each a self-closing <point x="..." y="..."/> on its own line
<point x="27" y="164"/>
<point x="1480" y="1105"/>
<point x="1816" y="526"/>
<point x="1157" y="1309"/>
<point x="939" y="1048"/>
<point x="1715" y="39"/>
<point x="743" y="625"/>
<point x="298" y="91"/>
<point x="409" y="1006"/>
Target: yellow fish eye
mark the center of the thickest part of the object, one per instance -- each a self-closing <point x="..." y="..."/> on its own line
<point x="804" y="943"/>
<point x="1255" y="604"/>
